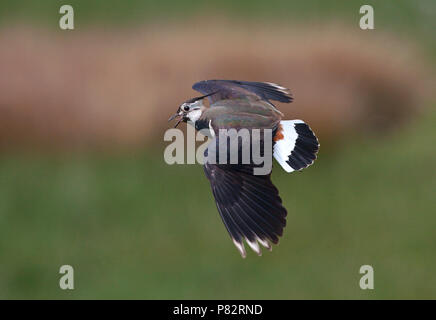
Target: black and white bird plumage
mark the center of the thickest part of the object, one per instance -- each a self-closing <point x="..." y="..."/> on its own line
<point x="249" y="204"/>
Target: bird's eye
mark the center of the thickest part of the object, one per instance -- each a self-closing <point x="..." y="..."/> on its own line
<point x="186" y="108"/>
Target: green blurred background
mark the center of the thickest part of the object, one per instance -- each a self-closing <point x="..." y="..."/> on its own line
<point x="82" y="176"/>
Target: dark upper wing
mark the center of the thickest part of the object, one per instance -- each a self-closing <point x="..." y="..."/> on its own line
<point x="232" y="89"/>
<point x="249" y="205"/>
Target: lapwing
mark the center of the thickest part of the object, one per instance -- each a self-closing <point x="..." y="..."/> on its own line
<point x="249" y="204"/>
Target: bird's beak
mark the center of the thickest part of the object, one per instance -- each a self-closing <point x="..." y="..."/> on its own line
<point x="174" y="116"/>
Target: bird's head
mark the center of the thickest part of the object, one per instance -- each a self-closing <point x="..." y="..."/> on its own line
<point x="190" y="110"/>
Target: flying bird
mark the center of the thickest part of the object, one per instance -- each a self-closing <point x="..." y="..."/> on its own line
<point x="249" y="204"/>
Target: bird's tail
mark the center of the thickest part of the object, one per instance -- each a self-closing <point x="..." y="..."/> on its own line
<point x="295" y="145"/>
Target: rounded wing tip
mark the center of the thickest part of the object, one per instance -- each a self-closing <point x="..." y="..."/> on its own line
<point x="240" y="247"/>
<point x="254" y="245"/>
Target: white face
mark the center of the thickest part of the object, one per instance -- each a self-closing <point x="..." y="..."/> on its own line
<point x="192" y="110"/>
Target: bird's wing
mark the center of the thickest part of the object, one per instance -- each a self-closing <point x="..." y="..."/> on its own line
<point x="242" y="113"/>
<point x="233" y="89"/>
<point x="249" y="205"/>
<point x="229" y="114"/>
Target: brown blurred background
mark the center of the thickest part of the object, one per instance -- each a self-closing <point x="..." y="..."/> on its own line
<point x="83" y="181"/>
<point x="117" y="88"/>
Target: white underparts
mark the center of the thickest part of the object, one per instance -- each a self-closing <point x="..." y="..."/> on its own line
<point x="194" y="115"/>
